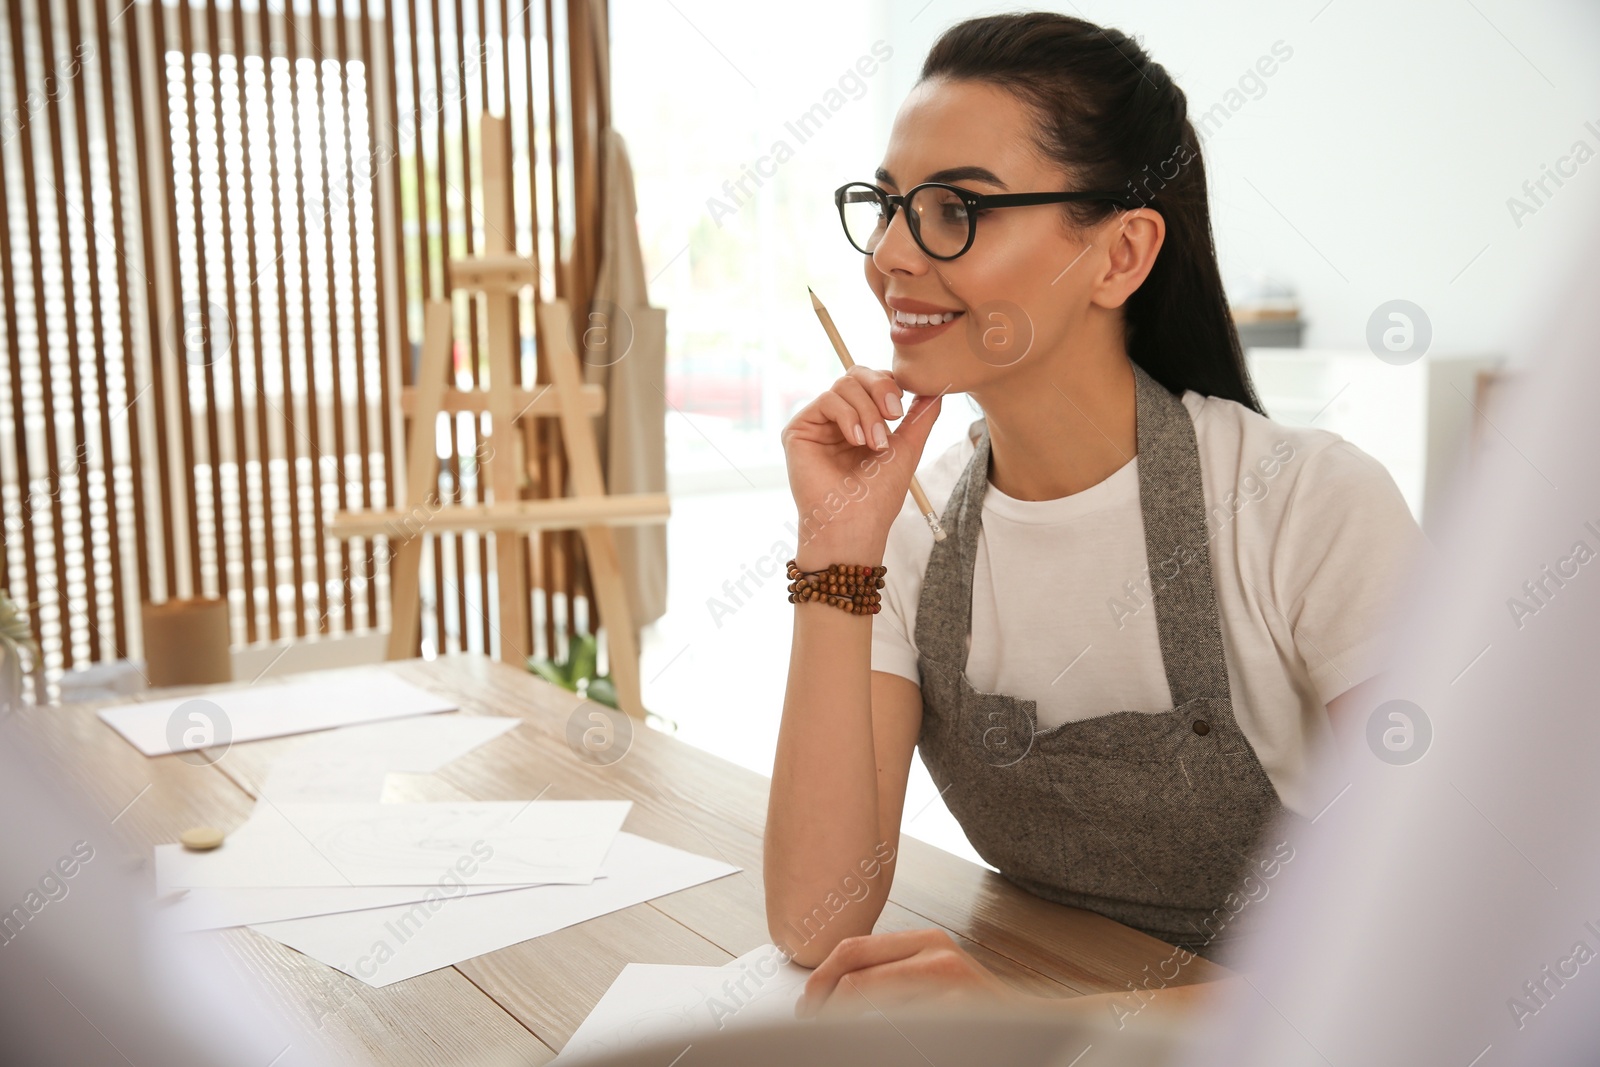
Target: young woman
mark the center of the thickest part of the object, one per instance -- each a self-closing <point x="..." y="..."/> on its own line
<point x="1153" y="604"/>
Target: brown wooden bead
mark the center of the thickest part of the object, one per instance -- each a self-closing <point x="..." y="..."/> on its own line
<point x="851" y="586"/>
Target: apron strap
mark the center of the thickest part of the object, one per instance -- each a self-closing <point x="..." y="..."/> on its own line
<point x="1177" y="544"/>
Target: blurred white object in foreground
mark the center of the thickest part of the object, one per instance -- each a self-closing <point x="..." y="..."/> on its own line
<point x="1447" y="911"/>
<point x="83" y="979"/>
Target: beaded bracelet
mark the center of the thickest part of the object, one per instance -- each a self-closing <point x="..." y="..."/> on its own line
<point x="851" y="586"/>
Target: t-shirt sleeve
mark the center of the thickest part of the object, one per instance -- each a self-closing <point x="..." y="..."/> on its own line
<point x="1346" y="548"/>
<point x="892" y="648"/>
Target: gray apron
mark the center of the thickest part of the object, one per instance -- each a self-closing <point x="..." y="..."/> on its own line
<point x="1152" y="819"/>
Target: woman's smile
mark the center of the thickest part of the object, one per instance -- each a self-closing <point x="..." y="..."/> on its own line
<point x="912" y="322"/>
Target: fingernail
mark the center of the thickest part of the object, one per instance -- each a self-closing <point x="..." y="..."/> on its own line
<point x="894" y="406"/>
<point x="861" y="438"/>
<point x="880" y="437"/>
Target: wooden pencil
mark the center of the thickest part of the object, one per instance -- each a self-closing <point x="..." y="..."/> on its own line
<point x="917" y="494"/>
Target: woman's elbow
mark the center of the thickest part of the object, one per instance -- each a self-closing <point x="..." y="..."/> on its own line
<point x="808" y="938"/>
<point x="807" y="952"/>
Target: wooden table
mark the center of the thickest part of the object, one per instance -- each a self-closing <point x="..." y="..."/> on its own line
<point x="522" y="1003"/>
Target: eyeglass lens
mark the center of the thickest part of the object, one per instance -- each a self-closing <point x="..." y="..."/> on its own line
<point x="940" y="219"/>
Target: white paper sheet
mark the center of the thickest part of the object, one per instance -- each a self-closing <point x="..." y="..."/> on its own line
<point x="387" y="945"/>
<point x="652" y="1002"/>
<point x="510" y="842"/>
<point x="418" y="746"/>
<point x="187" y="910"/>
<point x="314" y="777"/>
<point x="350" y="764"/>
<point x="249" y="713"/>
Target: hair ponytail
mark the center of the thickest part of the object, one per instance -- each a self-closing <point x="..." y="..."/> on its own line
<point x="1114" y="119"/>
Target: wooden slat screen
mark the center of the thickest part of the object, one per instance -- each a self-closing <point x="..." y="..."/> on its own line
<point x="218" y="224"/>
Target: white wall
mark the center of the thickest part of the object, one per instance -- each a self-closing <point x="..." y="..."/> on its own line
<point x="1376" y="162"/>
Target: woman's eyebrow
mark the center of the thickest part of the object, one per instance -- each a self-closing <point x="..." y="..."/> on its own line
<point x="951" y="174"/>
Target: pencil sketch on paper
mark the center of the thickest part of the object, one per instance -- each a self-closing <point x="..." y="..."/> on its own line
<point x="486" y="842"/>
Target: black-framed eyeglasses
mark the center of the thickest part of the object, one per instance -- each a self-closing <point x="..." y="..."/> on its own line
<point x="943" y="218"/>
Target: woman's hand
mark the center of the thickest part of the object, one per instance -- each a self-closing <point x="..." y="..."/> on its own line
<point x="864" y="974"/>
<point x="848" y="488"/>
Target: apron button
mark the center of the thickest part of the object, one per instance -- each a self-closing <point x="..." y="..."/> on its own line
<point x="1202" y="727"/>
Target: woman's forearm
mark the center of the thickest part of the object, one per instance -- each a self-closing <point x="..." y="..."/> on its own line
<point x="822" y="812"/>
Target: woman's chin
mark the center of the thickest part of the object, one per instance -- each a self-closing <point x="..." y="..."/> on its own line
<point x="912" y="374"/>
<point x="903" y="367"/>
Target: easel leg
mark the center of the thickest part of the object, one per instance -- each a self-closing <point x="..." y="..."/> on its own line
<point x="622" y="643"/>
<point x="405" y="601"/>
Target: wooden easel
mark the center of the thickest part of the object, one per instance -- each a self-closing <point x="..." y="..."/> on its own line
<point x="500" y="273"/>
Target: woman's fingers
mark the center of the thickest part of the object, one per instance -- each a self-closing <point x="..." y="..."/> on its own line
<point x="859" y="405"/>
<point x="912" y="965"/>
<point x="918" y="423"/>
<point x="931" y="974"/>
<point x="867" y="409"/>
<point x="887" y="396"/>
<point x="878" y="987"/>
<point x="855" y="953"/>
<point x="843" y="414"/>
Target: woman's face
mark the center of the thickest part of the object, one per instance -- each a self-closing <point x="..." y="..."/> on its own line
<point x="1028" y="283"/>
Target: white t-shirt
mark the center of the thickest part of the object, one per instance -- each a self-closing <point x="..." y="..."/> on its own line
<point x="1310" y="537"/>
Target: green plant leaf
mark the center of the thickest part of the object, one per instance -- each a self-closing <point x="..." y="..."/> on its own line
<point x="549" y="672"/>
<point x="15" y="633"/>
<point x="583" y="660"/>
<point x="10" y="678"/>
<point x="17" y="644"/>
<point x="602" y="691"/>
<point x="585" y="656"/>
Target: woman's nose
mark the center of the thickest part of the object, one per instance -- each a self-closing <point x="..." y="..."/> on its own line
<point x="897" y="249"/>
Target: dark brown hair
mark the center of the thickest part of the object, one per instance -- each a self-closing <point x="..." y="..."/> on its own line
<point x="1114" y="120"/>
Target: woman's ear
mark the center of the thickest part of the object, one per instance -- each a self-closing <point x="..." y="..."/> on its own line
<point x="1133" y="239"/>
